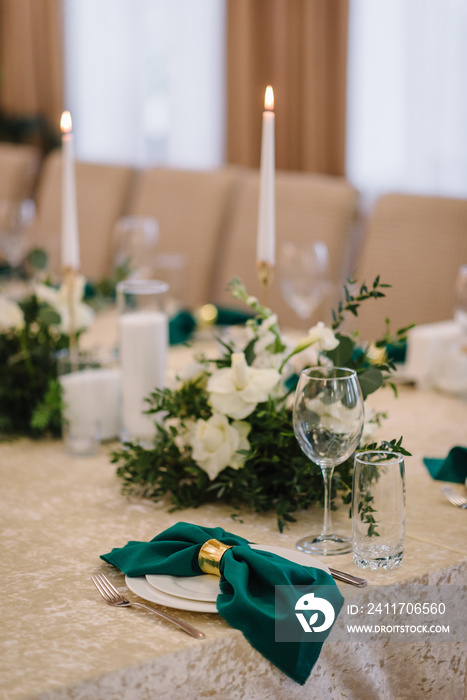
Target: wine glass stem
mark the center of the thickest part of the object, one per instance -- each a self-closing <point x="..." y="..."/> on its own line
<point x="327" y="523"/>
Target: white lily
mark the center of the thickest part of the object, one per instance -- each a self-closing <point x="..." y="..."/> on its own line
<point x="215" y="444"/>
<point x="83" y="315"/>
<point x="236" y="391"/>
<point x="11" y="315"/>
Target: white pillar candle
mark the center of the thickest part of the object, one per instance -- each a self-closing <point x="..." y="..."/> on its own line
<point x="266" y="241"/>
<point x="92" y="402"/>
<point x="69" y="235"/>
<point x="144" y="339"/>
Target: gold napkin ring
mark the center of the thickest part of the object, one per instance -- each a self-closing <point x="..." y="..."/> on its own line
<point x="210" y="555"/>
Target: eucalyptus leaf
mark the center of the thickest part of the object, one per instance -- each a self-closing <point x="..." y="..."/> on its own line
<point x="38" y="258"/>
<point x="341" y="356"/>
<point x="370" y="380"/>
<point x="49" y="316"/>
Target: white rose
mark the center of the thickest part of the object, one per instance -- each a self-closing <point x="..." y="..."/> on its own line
<point x="83" y="315"/>
<point x="235" y="391"/>
<point x="376" y="355"/>
<point x="215" y="444"/>
<point x="11" y="315"/>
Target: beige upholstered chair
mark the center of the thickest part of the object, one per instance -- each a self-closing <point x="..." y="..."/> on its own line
<point x="416" y="244"/>
<point x="19" y="166"/>
<point x="190" y="207"/>
<point x="309" y="208"/>
<point x="102" y="192"/>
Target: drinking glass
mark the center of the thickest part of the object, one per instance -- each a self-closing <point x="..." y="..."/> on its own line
<point x="378" y="509"/>
<point x="91" y="387"/>
<point x="328" y="420"/>
<point x="15" y="219"/>
<point x="303" y="276"/>
<point x="136" y="239"/>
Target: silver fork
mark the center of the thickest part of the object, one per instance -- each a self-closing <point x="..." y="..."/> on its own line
<point x="453" y="497"/>
<point x="113" y="597"/>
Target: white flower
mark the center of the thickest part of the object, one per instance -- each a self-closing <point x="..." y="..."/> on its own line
<point x="323" y="336"/>
<point x="183" y="430"/>
<point x="376" y="355"/>
<point x="191" y="371"/>
<point x="236" y="390"/>
<point x="336" y="417"/>
<point x="11" y="315"/>
<point x="215" y="444"/>
<point x="83" y="315"/>
<point x="319" y="334"/>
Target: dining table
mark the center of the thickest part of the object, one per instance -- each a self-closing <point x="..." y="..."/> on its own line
<point x="59" y="640"/>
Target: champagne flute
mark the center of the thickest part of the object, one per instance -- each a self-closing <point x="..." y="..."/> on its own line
<point x="328" y="420"/>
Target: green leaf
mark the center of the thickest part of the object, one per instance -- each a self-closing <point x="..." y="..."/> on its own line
<point x="342" y="354"/>
<point x="38" y="258"/>
<point x="370" y="380"/>
<point x="49" y="316"/>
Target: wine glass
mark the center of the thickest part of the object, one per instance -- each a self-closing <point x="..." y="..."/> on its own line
<point x="15" y="218"/>
<point x="136" y="239"/>
<point x="303" y="276"/>
<point x="328" y="422"/>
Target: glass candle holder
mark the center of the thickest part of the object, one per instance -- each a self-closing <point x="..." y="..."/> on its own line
<point x="143" y="330"/>
<point x="91" y="388"/>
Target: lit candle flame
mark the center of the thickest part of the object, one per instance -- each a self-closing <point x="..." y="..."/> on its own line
<point x="269" y="99"/>
<point x="65" y="123"/>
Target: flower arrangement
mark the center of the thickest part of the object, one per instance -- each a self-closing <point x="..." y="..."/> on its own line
<point x="32" y="332"/>
<point x="226" y="428"/>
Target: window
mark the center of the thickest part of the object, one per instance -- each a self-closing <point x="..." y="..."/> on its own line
<point x="407" y="96"/>
<point x="145" y="81"/>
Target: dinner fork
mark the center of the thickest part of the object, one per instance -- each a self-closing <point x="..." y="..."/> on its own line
<point x="453" y="497"/>
<point x="113" y="597"/>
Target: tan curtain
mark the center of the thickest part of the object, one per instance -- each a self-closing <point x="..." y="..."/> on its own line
<point x="31" y="59"/>
<point x="300" y="48"/>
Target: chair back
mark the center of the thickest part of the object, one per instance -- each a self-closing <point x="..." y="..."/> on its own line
<point x="102" y="192"/>
<point x="19" y="166"/>
<point x="416" y="244"/>
<point x="190" y="207"/>
<point x="309" y="208"/>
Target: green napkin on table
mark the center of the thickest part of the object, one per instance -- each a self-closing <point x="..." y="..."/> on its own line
<point x="453" y="468"/>
<point x="248" y="580"/>
<point x="183" y="323"/>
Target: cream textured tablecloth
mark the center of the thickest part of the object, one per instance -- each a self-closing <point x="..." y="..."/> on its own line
<point x="59" y="640"/>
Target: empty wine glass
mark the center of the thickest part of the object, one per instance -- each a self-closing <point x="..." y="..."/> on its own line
<point x="328" y="420"/>
<point x="303" y="276"/>
<point x="15" y="218"/>
<point x="136" y="239"/>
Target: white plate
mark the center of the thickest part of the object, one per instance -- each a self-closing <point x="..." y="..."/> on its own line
<point x="206" y="587"/>
<point x="141" y="587"/>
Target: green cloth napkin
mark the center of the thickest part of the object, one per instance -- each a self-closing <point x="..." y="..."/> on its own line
<point x="453" y="468"/>
<point x="248" y="580"/>
<point x="182" y="325"/>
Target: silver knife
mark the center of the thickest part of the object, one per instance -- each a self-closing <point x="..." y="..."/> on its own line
<point x="348" y="578"/>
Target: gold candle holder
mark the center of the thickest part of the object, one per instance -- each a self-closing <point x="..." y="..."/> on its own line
<point x="69" y="278"/>
<point x="265" y="271"/>
<point x="210" y="555"/>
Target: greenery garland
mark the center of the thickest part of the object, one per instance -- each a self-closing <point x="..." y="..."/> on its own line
<point x="30" y="394"/>
<point x="275" y="474"/>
